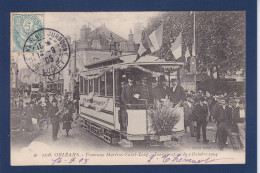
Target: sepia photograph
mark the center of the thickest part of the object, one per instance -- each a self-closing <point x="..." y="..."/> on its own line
<point x="128" y="88"/>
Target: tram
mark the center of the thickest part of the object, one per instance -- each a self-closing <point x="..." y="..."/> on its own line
<point x="100" y="88"/>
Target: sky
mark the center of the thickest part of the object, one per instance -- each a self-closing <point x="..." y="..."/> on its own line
<point x="69" y="23"/>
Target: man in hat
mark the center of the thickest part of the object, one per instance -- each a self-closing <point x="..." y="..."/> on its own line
<point x="54" y="119"/>
<point x="162" y="90"/>
<point x="221" y="116"/>
<point x="200" y="114"/>
<point x="177" y="92"/>
<point x="239" y="116"/>
<point x="127" y="96"/>
<point x="76" y="97"/>
<point x="188" y="116"/>
<point x="143" y="91"/>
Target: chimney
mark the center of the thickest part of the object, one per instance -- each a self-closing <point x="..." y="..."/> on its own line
<point x="131" y="37"/>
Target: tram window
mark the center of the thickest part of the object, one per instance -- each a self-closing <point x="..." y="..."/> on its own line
<point x="109" y="81"/>
<point x="117" y="83"/>
<point x="81" y="84"/>
<point x="85" y="86"/>
<point x="96" y="85"/>
<point x="102" y="85"/>
<point x="90" y="85"/>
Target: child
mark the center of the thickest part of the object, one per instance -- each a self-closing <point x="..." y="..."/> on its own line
<point x="67" y="119"/>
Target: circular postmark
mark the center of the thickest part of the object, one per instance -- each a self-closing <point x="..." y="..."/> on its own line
<point x="46" y="52"/>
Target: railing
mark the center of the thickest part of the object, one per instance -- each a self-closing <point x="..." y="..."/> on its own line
<point x="141" y="104"/>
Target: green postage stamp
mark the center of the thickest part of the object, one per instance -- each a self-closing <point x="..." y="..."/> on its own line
<point x="23" y="25"/>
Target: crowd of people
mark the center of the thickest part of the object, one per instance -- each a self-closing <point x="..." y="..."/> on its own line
<point x="54" y="108"/>
<point x="226" y="111"/>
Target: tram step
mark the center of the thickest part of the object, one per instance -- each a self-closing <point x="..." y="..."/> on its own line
<point x="125" y="143"/>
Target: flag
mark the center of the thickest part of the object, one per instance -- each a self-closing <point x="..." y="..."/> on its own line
<point x="187" y="54"/>
<point x="176" y="47"/>
<point x="156" y="38"/>
<point x="145" y="46"/>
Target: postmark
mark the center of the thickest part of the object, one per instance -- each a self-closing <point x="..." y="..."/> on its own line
<point x="22" y="26"/>
<point x="46" y="52"/>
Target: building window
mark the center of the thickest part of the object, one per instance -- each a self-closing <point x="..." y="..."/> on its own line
<point x="96" y="44"/>
<point x="123" y="46"/>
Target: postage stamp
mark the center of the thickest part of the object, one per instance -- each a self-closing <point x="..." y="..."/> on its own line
<point x="22" y="26"/>
<point x="46" y="52"/>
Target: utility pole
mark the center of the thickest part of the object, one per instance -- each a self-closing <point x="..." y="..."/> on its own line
<point x="194" y="44"/>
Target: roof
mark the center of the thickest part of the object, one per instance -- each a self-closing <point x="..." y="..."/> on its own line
<point x="131" y="60"/>
<point x="103" y="30"/>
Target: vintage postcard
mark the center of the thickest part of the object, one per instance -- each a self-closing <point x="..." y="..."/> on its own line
<point x="128" y="88"/>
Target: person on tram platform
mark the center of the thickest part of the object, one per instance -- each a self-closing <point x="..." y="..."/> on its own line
<point x="127" y="95"/>
<point x="177" y="92"/>
<point x="162" y="91"/>
<point x="143" y="91"/>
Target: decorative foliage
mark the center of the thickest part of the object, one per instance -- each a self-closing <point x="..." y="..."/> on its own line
<point x="164" y="118"/>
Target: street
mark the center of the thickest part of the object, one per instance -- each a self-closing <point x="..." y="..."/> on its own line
<point x="81" y="139"/>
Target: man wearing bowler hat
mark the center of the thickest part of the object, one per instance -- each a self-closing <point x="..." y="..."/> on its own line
<point x="162" y="90"/>
<point x="127" y="97"/>
<point x="55" y="119"/>
<point x="200" y="113"/>
<point x="128" y="92"/>
<point x="221" y="115"/>
<point x="177" y="92"/>
<point x="143" y="91"/>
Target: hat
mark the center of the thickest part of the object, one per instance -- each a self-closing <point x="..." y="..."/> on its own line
<point x="162" y="78"/>
<point x="130" y="78"/>
<point x="54" y="101"/>
<point x="241" y="101"/>
<point x="201" y="99"/>
<point x="144" y="78"/>
<point x="223" y="98"/>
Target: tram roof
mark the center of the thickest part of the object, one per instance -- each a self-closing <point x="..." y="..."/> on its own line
<point x="130" y="60"/>
<point x="122" y="62"/>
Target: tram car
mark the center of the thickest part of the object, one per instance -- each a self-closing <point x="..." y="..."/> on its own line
<point x="101" y="107"/>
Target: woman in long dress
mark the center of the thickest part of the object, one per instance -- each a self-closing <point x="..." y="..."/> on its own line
<point x="67" y="120"/>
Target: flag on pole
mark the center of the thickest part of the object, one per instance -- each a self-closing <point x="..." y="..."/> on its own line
<point x="156" y="38"/>
<point x="145" y="46"/>
<point x="187" y="54"/>
<point x="176" y="47"/>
